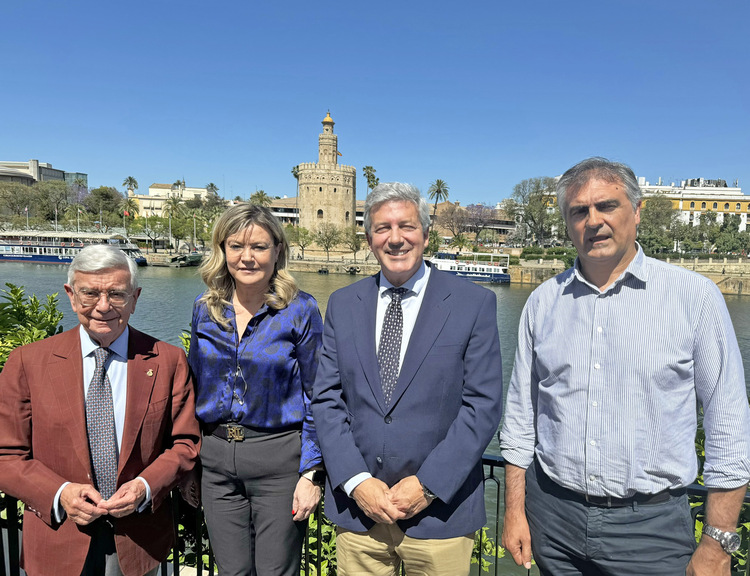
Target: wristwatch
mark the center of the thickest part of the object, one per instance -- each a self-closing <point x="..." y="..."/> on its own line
<point x="428" y="494"/>
<point x="730" y="541"/>
<point x="317" y="477"/>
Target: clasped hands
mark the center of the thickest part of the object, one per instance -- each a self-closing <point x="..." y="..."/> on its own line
<point x="83" y="504"/>
<point x="387" y="505"/>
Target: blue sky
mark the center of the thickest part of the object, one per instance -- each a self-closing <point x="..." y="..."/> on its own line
<point x="479" y="94"/>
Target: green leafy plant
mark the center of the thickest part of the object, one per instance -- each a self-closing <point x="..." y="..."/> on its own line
<point x="25" y="319"/>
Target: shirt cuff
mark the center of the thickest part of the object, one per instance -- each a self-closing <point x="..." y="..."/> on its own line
<point x="147" y="500"/>
<point x="355" y="481"/>
<point x="58" y="512"/>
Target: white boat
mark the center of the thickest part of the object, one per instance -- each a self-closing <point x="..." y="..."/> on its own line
<point x="475" y="266"/>
<point x="46" y="247"/>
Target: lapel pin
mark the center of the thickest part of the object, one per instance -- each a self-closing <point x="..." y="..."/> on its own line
<point x="150" y="372"/>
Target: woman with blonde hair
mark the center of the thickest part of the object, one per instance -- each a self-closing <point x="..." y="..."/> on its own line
<point x="254" y="353"/>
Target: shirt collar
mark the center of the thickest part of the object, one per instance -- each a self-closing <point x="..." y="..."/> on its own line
<point x="119" y="346"/>
<point x="637" y="269"/>
<point x="414" y="284"/>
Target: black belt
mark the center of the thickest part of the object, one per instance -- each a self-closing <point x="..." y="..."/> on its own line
<point x="238" y="432"/>
<point x="553" y="487"/>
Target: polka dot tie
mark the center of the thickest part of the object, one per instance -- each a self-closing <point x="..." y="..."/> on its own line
<point x="389" y="350"/>
<point x="100" y="423"/>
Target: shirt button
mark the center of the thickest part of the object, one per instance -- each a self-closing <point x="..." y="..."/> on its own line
<point x="599" y="329"/>
<point x="595" y="403"/>
<point x="379" y="460"/>
<point x="596" y="366"/>
<point x="388" y="419"/>
<point x="593" y="442"/>
<point x="592" y="477"/>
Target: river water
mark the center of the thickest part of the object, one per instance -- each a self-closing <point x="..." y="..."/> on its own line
<point x="165" y="306"/>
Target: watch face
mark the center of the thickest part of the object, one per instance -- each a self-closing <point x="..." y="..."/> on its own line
<point x="732" y="543"/>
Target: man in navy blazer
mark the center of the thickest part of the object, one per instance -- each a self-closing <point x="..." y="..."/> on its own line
<point x="404" y="465"/>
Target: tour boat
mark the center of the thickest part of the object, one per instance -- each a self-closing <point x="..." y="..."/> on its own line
<point x="475" y="266"/>
<point x="46" y="247"/>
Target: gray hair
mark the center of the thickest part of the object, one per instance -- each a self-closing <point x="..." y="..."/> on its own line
<point x="395" y="192"/>
<point x="98" y="257"/>
<point x="597" y="168"/>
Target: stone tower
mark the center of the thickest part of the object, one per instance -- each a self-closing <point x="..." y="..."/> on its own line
<point x="327" y="191"/>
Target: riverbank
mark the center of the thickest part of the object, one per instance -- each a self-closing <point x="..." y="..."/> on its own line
<point x="731" y="275"/>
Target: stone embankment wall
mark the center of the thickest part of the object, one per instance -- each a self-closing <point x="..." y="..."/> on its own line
<point x="731" y="275"/>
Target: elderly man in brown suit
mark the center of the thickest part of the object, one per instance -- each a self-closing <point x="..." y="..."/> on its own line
<point x="97" y="425"/>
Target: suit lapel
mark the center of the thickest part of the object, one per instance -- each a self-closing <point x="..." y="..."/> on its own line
<point x="142" y="370"/>
<point x="365" y="309"/>
<point x="65" y="380"/>
<point x="432" y="316"/>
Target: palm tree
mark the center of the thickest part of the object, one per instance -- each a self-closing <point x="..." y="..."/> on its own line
<point x="212" y="188"/>
<point x="261" y="198"/>
<point x="372" y="180"/>
<point x="173" y="206"/>
<point x="129" y="207"/>
<point x="130" y="183"/>
<point x="439" y="192"/>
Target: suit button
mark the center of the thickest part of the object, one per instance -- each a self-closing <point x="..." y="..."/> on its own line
<point x="388" y="419"/>
<point x="379" y="460"/>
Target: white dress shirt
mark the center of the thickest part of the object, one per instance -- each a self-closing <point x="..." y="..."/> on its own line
<point x="117" y="371"/>
<point x="411" y="302"/>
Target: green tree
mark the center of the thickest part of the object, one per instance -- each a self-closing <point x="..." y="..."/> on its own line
<point x="372" y="180"/>
<point x="260" y="198"/>
<point x="212" y="188"/>
<point x="130" y="183"/>
<point x="438" y="191"/>
<point x="654" y="231"/>
<point x="353" y="241"/>
<point x="434" y="243"/>
<point x="15" y="197"/>
<point x="129" y="209"/>
<point x="460" y="242"/>
<point x="298" y="236"/>
<point x="328" y="236"/>
<point x="533" y="207"/>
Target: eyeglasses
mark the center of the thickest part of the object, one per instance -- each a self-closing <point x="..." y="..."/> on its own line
<point x="90" y="297"/>
<point x="239" y="398"/>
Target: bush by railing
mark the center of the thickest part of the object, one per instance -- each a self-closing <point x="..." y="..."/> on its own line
<point x="193" y="547"/>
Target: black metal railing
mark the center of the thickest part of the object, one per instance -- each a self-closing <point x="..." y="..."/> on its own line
<point x="193" y="547"/>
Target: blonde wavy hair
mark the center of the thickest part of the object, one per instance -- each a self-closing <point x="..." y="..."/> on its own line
<point x="215" y="274"/>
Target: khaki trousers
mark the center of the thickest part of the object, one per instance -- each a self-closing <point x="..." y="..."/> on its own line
<point x="380" y="551"/>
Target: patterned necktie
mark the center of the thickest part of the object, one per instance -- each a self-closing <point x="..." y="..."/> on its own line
<point x="389" y="351"/>
<point x="100" y="423"/>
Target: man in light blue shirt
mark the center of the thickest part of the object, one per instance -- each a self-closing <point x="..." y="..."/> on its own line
<point x="613" y="356"/>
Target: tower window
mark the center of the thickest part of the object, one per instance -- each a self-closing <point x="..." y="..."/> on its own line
<point x="347" y="214"/>
<point x="739" y="207"/>
<point x="726" y="206"/>
<point x="703" y="205"/>
<point x="692" y="204"/>
<point x="334" y="190"/>
<point x="320" y="214"/>
<point x="716" y="205"/>
<point x="320" y="189"/>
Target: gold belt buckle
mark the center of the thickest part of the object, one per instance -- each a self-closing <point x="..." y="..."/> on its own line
<point x="236" y="433"/>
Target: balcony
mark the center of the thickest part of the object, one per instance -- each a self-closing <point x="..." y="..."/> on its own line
<point x="193" y="544"/>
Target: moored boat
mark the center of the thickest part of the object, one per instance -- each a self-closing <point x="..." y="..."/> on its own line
<point x="47" y="247"/>
<point x="474" y="266"/>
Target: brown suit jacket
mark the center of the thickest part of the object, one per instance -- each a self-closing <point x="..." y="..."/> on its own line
<point x="43" y="443"/>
